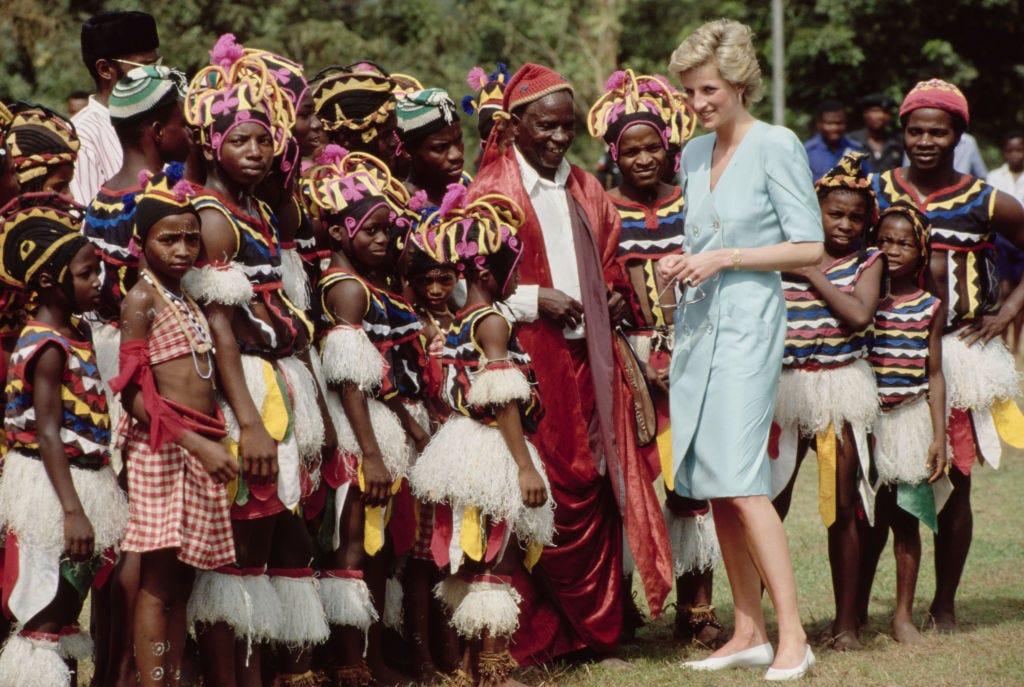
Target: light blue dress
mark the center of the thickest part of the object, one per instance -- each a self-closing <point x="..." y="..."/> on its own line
<point x="730" y="330"/>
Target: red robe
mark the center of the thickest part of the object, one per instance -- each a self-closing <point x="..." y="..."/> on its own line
<point x="574" y="601"/>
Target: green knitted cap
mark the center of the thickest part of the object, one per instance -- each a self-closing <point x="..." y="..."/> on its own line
<point x="421" y="113"/>
<point x="144" y="89"/>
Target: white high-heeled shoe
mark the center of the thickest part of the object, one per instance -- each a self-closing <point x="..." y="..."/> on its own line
<point x="755" y="657"/>
<point x="784" y="674"/>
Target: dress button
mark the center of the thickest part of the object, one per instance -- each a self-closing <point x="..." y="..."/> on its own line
<point x="686" y="330"/>
<point x="708" y="327"/>
<point x="696" y="231"/>
<point x="715" y="225"/>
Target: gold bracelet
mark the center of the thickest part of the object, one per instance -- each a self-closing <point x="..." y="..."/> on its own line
<point x="736" y="259"/>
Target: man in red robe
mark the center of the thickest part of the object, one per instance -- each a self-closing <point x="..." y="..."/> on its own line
<point x="569" y="300"/>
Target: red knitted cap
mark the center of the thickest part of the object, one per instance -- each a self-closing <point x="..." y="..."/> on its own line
<point x="532" y="82"/>
<point x="938" y="94"/>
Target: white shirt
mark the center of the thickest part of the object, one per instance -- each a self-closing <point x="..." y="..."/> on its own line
<point x="1003" y="180"/>
<point x="551" y="204"/>
<point x="99" y="155"/>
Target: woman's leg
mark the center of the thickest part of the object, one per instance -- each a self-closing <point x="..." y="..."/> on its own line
<point x="753" y="524"/>
<point x="906" y="545"/>
<point x="844" y="545"/>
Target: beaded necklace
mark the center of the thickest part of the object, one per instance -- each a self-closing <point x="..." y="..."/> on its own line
<point x="188" y="317"/>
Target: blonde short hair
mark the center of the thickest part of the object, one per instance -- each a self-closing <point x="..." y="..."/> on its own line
<point x="729" y="45"/>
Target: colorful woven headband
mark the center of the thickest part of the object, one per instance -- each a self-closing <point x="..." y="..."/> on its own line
<point x="918" y="221"/>
<point x="423" y="112"/>
<point x="144" y="89"/>
<point x="236" y="90"/>
<point x="163" y="194"/>
<point x="355" y="101"/>
<point x="39" y="232"/>
<point x="289" y="74"/>
<point x="482" y="234"/>
<point x="350" y="187"/>
<point x="936" y="93"/>
<point x="491" y="89"/>
<point x="630" y="100"/>
<point x="40" y="140"/>
<point x="849" y="174"/>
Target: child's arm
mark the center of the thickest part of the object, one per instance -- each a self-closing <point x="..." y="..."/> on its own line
<point x="256" y="447"/>
<point x="418" y="434"/>
<point x="855" y="309"/>
<point x="214" y="456"/>
<point x="49" y="366"/>
<point x="937" y="396"/>
<point x="492" y="333"/>
<point x="348" y="302"/>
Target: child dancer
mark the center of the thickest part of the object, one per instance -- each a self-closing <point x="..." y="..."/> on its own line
<point x="179" y="517"/>
<point x="374" y="456"/>
<point x="59" y="498"/>
<point x="268" y="395"/>
<point x="910" y="445"/>
<point x="827" y="393"/>
<point x="484" y="476"/>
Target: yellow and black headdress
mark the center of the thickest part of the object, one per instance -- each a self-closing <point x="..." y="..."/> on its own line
<point x="39" y="232"/>
<point x="631" y="100"/>
<point x="237" y="89"/>
<point x="163" y="194"/>
<point x="356" y="99"/>
<point x="849" y="175"/>
<point x="40" y="140"/>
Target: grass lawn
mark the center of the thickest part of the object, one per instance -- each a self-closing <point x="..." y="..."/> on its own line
<point x="988" y="652"/>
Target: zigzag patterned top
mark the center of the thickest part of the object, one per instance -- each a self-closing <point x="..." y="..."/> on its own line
<point x="463" y="359"/>
<point x="408" y="346"/>
<point x="899" y="346"/>
<point x="961" y="219"/>
<point x="109" y="227"/>
<point x="85" y="425"/>
<point x="815" y="336"/>
<point x="647" y="235"/>
<point x="375" y="322"/>
<point x="259" y="253"/>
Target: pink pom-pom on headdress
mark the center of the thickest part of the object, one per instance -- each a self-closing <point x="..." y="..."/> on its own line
<point x="331" y="155"/>
<point x="226" y="52"/>
<point x="418" y="200"/>
<point x="454" y="197"/>
<point x="477" y="78"/>
<point x="182" y="190"/>
<point x="144" y="176"/>
<point x="615" y="80"/>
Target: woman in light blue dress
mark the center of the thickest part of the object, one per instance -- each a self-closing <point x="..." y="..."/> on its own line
<point x="751" y="211"/>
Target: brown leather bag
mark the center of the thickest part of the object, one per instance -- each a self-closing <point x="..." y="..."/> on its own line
<point x="644" y="414"/>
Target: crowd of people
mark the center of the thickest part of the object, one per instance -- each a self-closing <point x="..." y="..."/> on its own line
<point x="285" y="380"/>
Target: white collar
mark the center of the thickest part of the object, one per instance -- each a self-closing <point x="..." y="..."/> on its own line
<point x="531" y="178"/>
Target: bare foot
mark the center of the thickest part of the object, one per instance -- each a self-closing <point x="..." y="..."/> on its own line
<point x="943" y="623"/>
<point x="615" y="663"/>
<point x="904" y="632"/>
<point x="846" y="641"/>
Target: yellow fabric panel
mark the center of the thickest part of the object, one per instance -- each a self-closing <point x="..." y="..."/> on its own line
<point x="826" y="448"/>
<point x="1009" y="422"/>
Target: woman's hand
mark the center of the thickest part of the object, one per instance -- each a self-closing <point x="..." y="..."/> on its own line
<point x="692" y="269"/>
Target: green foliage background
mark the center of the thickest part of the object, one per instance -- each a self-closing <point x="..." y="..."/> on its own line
<point x="835" y="48"/>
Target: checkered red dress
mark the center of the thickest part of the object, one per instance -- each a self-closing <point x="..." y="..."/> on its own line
<point x="174" y="504"/>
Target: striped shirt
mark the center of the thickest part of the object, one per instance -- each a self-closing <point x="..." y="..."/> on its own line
<point x="815" y="336"/>
<point x="99" y="153"/>
<point x="899" y="346"/>
<point x="85" y="425"/>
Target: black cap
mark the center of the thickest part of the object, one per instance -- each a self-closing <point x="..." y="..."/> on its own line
<point x="881" y="100"/>
<point x="115" y="34"/>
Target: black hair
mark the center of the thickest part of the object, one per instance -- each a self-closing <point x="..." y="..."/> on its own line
<point x="78" y="95"/>
<point x="1010" y="135"/>
<point x="129" y="131"/>
<point x="830" y="105"/>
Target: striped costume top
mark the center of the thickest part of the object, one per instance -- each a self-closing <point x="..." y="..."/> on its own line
<point x="258" y="251"/>
<point x="376" y="322"/>
<point x="463" y="358"/>
<point x="815" y="337"/>
<point x="85" y="425"/>
<point x="109" y="227"/>
<point x="961" y="219"/>
<point x="647" y="235"/>
<point x="408" y="355"/>
<point x="899" y="346"/>
<point x="99" y="154"/>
